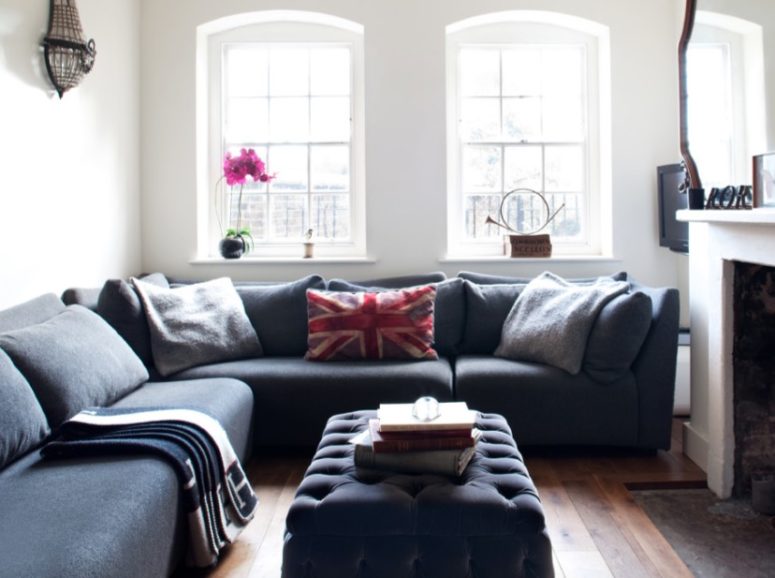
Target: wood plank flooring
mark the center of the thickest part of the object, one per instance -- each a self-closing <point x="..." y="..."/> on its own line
<point x="597" y="529"/>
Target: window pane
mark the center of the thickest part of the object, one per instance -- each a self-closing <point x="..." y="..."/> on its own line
<point x="246" y="71"/>
<point x="288" y="216"/>
<point x="330" y="71"/>
<point x="330" y="216"/>
<point x="289" y="163"/>
<point x="247" y="120"/>
<point x="564" y="167"/>
<point x="288" y="71"/>
<point x="477" y="209"/>
<point x="563" y="119"/>
<point x="523" y="167"/>
<point x="330" y="168"/>
<point x="480" y="71"/>
<point x="563" y="68"/>
<point x="330" y="119"/>
<point x="289" y="119"/>
<point x="253" y="212"/>
<point x="481" y="119"/>
<point x="521" y="72"/>
<point x="522" y="119"/>
<point x="567" y="225"/>
<point x="481" y="169"/>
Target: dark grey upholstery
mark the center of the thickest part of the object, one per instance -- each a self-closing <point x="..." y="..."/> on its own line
<point x="31" y="312"/>
<point x="72" y="361"/>
<point x="85" y="296"/>
<point x="396" y="282"/>
<point x="349" y="522"/>
<point x="547" y="406"/>
<point x="278" y="313"/>
<point x="487" y="307"/>
<point x="449" y="313"/>
<point x="487" y="279"/>
<point x="23" y="424"/>
<point x="295" y="397"/>
<point x="119" y="304"/>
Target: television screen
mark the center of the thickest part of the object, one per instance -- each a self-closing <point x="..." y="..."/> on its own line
<point x="673" y="234"/>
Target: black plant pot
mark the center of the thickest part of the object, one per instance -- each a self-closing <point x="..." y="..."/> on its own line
<point x="232" y="247"/>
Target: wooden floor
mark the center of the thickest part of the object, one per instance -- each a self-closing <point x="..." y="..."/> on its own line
<point x="597" y="529"/>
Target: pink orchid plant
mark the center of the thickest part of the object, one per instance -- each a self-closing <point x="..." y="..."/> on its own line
<point x="236" y="170"/>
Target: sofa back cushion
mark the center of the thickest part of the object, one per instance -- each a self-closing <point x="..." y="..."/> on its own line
<point x="278" y="313"/>
<point x="72" y="361"/>
<point x="449" y="309"/>
<point x="119" y="304"/>
<point x="487" y="279"/>
<point x="23" y="424"/>
<point x="617" y="337"/>
<point x="487" y="307"/>
<point x="31" y="312"/>
<point x="396" y="282"/>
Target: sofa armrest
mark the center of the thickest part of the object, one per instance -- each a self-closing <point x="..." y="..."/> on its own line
<point x="655" y="369"/>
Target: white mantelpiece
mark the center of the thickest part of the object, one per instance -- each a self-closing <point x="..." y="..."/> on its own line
<point x="717" y="239"/>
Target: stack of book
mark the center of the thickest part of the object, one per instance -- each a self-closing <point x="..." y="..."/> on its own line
<point x="396" y="440"/>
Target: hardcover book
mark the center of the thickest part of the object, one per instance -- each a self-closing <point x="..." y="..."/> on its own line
<point x="383" y="442"/>
<point x="441" y="462"/>
<point x="398" y="417"/>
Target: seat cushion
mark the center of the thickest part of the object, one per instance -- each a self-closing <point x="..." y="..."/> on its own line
<point x="545" y="405"/>
<point x="73" y="361"/>
<point x="295" y="397"/>
<point x="228" y="400"/>
<point x="77" y="518"/>
<point x="23" y="424"/>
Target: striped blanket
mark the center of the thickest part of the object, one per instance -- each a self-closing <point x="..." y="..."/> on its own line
<point x="217" y="495"/>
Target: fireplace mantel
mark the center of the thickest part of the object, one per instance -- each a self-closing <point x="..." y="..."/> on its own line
<point x="718" y="238"/>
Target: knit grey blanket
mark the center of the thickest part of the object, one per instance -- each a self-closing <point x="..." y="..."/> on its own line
<point x="551" y="320"/>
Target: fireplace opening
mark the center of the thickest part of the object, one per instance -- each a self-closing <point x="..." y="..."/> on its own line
<point x="754" y="375"/>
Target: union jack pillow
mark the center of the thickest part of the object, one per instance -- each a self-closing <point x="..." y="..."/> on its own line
<point x="384" y="325"/>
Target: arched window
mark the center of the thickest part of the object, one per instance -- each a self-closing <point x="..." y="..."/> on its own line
<point x="528" y="107"/>
<point x="288" y="84"/>
<point x="725" y="72"/>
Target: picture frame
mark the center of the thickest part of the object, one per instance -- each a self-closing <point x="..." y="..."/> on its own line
<point x="764" y="180"/>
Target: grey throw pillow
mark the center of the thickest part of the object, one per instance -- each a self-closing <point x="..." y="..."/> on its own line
<point x="72" y="361"/>
<point x="119" y="304"/>
<point x="196" y="324"/>
<point x="551" y="320"/>
<point x="23" y="424"/>
<point x="449" y="308"/>
<point x="279" y="314"/>
<point x="617" y="337"/>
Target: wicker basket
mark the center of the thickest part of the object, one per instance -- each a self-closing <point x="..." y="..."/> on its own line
<point x="530" y="245"/>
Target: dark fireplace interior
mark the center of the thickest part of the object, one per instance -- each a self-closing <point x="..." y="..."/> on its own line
<point x="754" y="374"/>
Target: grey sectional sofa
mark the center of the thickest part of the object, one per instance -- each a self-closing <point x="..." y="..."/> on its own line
<point x="121" y="516"/>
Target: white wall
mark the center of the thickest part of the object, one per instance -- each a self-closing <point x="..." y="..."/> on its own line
<point x="69" y="169"/>
<point x="405" y="133"/>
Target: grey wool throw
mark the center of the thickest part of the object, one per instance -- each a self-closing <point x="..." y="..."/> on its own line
<point x="217" y="495"/>
<point x="551" y="320"/>
<point x="196" y="324"/>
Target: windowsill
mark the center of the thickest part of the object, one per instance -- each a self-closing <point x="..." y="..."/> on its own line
<point x="552" y="259"/>
<point x="245" y="261"/>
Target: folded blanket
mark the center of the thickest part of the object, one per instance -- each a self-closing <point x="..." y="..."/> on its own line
<point x="217" y="495"/>
<point x="551" y="320"/>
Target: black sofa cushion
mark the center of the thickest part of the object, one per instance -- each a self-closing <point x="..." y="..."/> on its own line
<point x="617" y="336"/>
<point x="449" y="310"/>
<point x="23" y="424"/>
<point x="487" y="307"/>
<point x="119" y="304"/>
<point x="72" y="361"/>
<point x="294" y="397"/>
<point x="278" y="313"/>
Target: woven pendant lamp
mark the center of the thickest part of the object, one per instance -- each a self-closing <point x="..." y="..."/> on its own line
<point x="68" y="55"/>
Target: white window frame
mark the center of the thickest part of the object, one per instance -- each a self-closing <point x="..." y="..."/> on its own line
<point x="743" y="83"/>
<point x="267" y="27"/>
<point x="525" y="27"/>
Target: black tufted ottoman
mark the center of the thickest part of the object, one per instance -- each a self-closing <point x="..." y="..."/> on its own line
<point x="345" y="523"/>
